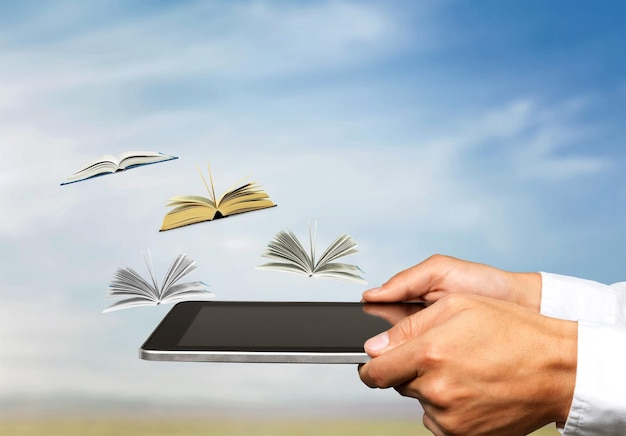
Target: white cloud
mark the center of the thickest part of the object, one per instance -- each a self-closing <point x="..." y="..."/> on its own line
<point x="8" y="96"/>
<point x="535" y="141"/>
<point x="262" y="40"/>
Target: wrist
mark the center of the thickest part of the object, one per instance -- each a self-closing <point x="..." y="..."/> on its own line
<point x="563" y="364"/>
<point x="527" y="290"/>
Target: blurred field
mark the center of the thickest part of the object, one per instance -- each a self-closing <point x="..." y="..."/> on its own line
<point x="157" y="427"/>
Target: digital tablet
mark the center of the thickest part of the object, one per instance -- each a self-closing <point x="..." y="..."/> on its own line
<point x="271" y="332"/>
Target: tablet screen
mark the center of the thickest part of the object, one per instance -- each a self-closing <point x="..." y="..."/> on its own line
<point x="320" y="327"/>
<point x="282" y="327"/>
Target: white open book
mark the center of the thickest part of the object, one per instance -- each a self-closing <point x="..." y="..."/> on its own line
<point x="137" y="291"/>
<point x="109" y="164"/>
<point x="289" y="255"/>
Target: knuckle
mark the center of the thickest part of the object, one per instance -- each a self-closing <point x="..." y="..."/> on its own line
<point x="437" y="392"/>
<point x="430" y="424"/>
<point x="440" y="263"/>
<point x="433" y="354"/>
<point x="456" y="302"/>
<point x="405" y="328"/>
<point x="408" y="390"/>
<point x="451" y="423"/>
<point x="438" y="259"/>
<point x="443" y="423"/>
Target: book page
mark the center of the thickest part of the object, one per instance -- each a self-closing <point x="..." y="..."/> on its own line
<point x="131" y="159"/>
<point x="283" y="266"/>
<point x="129" y="302"/>
<point x="187" y="291"/>
<point x="342" y="271"/>
<point x="140" y="154"/>
<point x="104" y="164"/>
<point x="190" y="201"/>
<point x="150" y="266"/>
<point x="286" y="247"/>
<point x="342" y="246"/>
<point x="127" y="281"/>
<point x="180" y="267"/>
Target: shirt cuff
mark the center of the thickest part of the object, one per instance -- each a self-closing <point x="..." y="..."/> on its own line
<point x="576" y="299"/>
<point x="599" y="404"/>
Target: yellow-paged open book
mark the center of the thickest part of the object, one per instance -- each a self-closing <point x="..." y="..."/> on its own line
<point x="192" y="209"/>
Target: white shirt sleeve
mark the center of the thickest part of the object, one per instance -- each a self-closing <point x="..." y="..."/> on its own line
<point x="599" y="403"/>
<point x="572" y="298"/>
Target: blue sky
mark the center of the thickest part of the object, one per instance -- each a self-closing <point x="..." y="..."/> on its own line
<point x="491" y="131"/>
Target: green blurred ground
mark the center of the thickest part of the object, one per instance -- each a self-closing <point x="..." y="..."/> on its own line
<point x="157" y="427"/>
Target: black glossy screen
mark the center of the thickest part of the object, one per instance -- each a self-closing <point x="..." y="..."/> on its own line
<point x="266" y="326"/>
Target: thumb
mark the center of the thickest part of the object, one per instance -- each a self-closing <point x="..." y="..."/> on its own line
<point x="400" y="333"/>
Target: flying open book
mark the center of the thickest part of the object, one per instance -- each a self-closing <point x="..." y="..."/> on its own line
<point x="290" y="256"/>
<point x="110" y="164"/>
<point x="137" y="291"/>
<point x="192" y="209"/>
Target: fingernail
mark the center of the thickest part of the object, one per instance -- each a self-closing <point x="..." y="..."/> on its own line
<point x="373" y="291"/>
<point x="378" y="343"/>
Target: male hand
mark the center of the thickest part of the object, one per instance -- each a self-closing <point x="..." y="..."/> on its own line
<point x="441" y="275"/>
<point x="478" y="365"/>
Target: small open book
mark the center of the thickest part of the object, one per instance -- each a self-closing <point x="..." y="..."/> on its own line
<point x="134" y="290"/>
<point x="192" y="209"/>
<point x="110" y="164"/>
<point x="289" y="255"/>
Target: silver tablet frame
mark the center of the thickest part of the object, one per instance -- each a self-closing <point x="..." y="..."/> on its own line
<point x="253" y="356"/>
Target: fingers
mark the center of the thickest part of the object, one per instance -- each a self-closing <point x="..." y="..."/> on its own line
<point x="440" y="275"/>
<point x="413" y="283"/>
<point x="403" y="352"/>
<point x="392" y="313"/>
